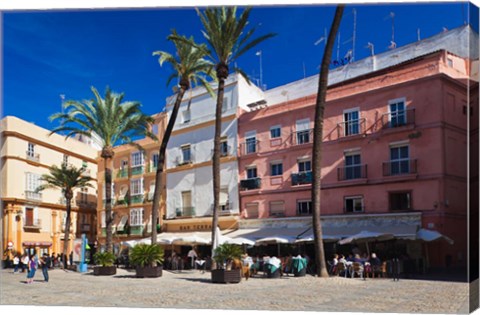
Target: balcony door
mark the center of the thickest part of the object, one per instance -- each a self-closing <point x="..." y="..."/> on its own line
<point x="398" y="115"/>
<point x="352" y="166"/>
<point x="29" y="216"/>
<point x="186" y="201"/>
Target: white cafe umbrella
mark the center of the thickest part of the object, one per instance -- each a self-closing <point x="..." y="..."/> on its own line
<point x="239" y="241"/>
<point x="274" y="240"/>
<point x="365" y="237"/>
<point x="132" y="243"/>
<point x="191" y="239"/>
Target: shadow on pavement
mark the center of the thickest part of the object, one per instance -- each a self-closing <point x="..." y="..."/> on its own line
<point x="197" y="280"/>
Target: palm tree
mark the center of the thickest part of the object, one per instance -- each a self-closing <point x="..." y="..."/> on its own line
<point x="189" y="67"/>
<point x="67" y="178"/>
<point x="317" y="143"/>
<point x="225" y="34"/>
<point x="111" y="122"/>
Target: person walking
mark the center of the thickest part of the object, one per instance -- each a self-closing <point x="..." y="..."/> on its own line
<point x="25" y="260"/>
<point x="16" y="262"/>
<point x="32" y="268"/>
<point x="45" y="263"/>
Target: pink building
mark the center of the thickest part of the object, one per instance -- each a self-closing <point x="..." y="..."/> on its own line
<point x="394" y="155"/>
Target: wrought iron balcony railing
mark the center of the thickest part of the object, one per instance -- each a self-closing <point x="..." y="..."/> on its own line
<point x="301" y="178"/>
<point x="250" y="183"/>
<point x="399" y="118"/>
<point x="185" y="212"/>
<point x="400" y="167"/>
<point x="352" y="172"/>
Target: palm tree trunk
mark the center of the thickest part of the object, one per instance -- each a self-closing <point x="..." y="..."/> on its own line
<point x="317" y="144"/>
<point x="108" y="206"/>
<point x="222" y="74"/>
<point x="161" y="160"/>
<point x="66" y="238"/>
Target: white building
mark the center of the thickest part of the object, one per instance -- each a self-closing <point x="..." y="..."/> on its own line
<point x="190" y="151"/>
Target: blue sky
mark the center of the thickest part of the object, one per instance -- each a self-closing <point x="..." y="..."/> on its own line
<point x="49" y="53"/>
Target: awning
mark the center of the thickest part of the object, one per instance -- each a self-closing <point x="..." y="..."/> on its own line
<point x="262" y="233"/>
<point x="430" y="236"/>
<point x="121" y="224"/>
<point x="400" y="231"/>
<point x="40" y="244"/>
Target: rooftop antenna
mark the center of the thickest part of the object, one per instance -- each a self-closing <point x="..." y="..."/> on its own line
<point x="392" y="42"/>
<point x="304" y="72"/>
<point x="62" y="97"/>
<point x="371" y="47"/>
<point x="354" y="32"/>
<point x="418" y="34"/>
<point x="259" y="53"/>
<point x="338" y="46"/>
<point x="321" y="39"/>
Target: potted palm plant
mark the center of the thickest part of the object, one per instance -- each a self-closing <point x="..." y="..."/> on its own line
<point x="227" y="257"/>
<point x="104" y="264"/>
<point x="148" y="260"/>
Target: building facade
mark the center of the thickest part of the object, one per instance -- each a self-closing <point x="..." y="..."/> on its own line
<point x="394" y="155"/>
<point x="35" y="221"/>
<point x="189" y="157"/>
<point x="133" y="186"/>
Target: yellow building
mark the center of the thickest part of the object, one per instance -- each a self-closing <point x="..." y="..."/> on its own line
<point x="133" y="187"/>
<point x="35" y="221"/>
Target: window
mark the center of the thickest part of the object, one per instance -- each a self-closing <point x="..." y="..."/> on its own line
<point x="84" y="194"/>
<point x="223" y="146"/>
<point x="186" y="154"/>
<point x="303" y="131"/>
<point x="397" y="115"/>
<point x="250" y="142"/>
<point x="136" y="187"/>
<point x="304" y="207"/>
<point x="65" y="159"/>
<point x="353" y="165"/>
<point x="399" y="160"/>
<point x="155" y="129"/>
<point x="251" y="172"/>
<point x="275" y="132"/>
<point x="353" y="204"/>
<point x="137" y="159"/>
<point x="251" y="210"/>
<point x="224" y="199"/>
<point x="32" y="181"/>
<point x="351" y="121"/>
<point x="154" y="162"/>
<point x="136" y="217"/>
<point x="225" y="104"/>
<point x="124" y="164"/>
<point x="450" y="62"/>
<point x="277" y="208"/>
<point x="31" y="150"/>
<point x="276" y="168"/>
<point x="104" y="221"/>
<point x="304" y="166"/>
<point x="186" y="116"/>
<point x="400" y="200"/>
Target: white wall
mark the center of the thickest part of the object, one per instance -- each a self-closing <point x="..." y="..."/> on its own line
<point x="199" y="182"/>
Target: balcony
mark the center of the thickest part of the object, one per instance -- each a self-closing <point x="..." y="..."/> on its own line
<point x="32" y="224"/>
<point x="85" y="228"/>
<point x="351" y="128"/>
<point x="302" y="178"/>
<point x="183" y="212"/>
<point x="152" y="168"/>
<point x="302" y="137"/>
<point x="399" y="118"/>
<point x="86" y="204"/>
<point x="137" y="170"/>
<point x="33" y="195"/>
<point x="352" y="172"/>
<point x="249" y="147"/>
<point x="32" y="156"/>
<point x="136" y="199"/>
<point x="122" y="173"/>
<point x="250" y="183"/>
<point x="400" y="167"/>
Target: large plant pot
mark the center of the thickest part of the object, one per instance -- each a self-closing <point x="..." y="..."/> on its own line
<point x="226" y="276"/>
<point x="300" y="273"/>
<point x="149" y="272"/>
<point x="270" y="274"/>
<point x="104" y="270"/>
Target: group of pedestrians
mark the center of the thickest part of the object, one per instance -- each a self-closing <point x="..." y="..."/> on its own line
<point x="30" y="263"/>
